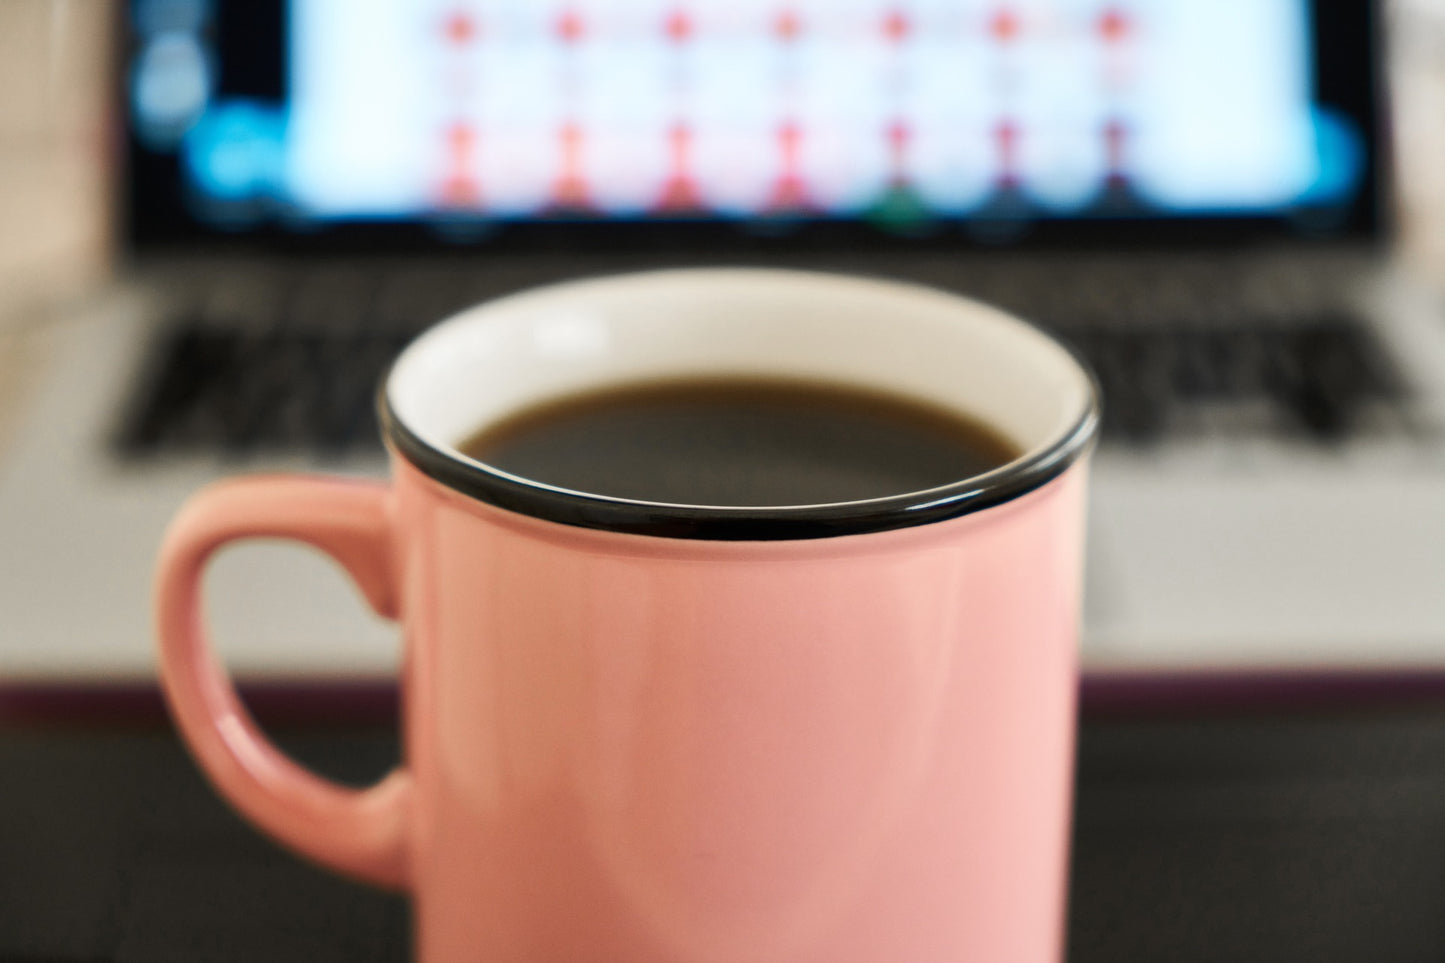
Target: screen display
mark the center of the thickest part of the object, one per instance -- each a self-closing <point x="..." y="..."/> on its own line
<point x="905" y="115"/>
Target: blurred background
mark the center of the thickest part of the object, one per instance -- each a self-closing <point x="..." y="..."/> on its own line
<point x="219" y="220"/>
<point x="56" y="126"/>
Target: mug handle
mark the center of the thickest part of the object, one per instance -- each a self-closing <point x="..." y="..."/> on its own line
<point x="362" y="833"/>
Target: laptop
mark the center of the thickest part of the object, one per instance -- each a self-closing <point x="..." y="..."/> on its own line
<point x="1192" y="193"/>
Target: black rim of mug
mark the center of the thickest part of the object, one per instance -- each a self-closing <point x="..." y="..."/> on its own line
<point x="753" y="523"/>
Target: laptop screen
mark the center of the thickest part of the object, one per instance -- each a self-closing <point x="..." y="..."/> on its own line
<point x="484" y="122"/>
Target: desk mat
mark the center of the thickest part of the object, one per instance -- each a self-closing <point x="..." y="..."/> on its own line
<point x="1296" y="836"/>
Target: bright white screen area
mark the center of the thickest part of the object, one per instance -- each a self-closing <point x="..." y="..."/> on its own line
<point x="824" y="108"/>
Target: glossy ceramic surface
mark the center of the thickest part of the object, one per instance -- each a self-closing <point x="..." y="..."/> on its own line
<point x="631" y="748"/>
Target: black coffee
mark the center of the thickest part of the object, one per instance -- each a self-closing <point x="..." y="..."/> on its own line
<point x="747" y="442"/>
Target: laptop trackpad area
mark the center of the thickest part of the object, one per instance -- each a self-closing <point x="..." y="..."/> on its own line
<point x="1290" y="567"/>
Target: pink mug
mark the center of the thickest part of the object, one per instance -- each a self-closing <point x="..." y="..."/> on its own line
<point x="689" y="733"/>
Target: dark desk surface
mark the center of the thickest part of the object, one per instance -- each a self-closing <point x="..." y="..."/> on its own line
<point x="1304" y="837"/>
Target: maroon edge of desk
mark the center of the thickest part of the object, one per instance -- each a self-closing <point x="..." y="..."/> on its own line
<point x="314" y="703"/>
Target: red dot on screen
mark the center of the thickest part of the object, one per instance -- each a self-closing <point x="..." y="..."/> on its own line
<point x="1113" y="25"/>
<point x="678" y="26"/>
<point x="570" y="26"/>
<point x="459" y="28"/>
<point x="896" y="25"/>
<point x="1006" y="134"/>
<point x="787" y="26"/>
<point x="1005" y="25"/>
<point x="461" y="137"/>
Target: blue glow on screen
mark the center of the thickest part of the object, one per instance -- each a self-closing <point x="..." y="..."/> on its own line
<point x="173" y="73"/>
<point x="237" y="151"/>
<point x="751" y="109"/>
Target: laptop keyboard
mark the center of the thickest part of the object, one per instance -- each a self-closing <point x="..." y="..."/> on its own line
<point x="212" y="388"/>
<point x="1324" y="377"/>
